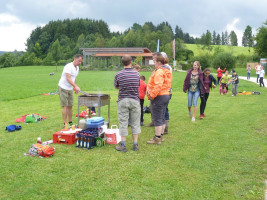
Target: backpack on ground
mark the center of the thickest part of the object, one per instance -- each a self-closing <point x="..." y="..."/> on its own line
<point x="41" y="150"/>
<point x="32" y="118"/>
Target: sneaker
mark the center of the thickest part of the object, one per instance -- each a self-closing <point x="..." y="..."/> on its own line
<point x="201" y="116"/>
<point x="136" y="147"/>
<point x="233" y="95"/>
<point x="121" y="148"/>
<point x="190" y="114"/>
<point x="149" y="125"/>
<point x="162" y="139"/>
<point x="154" y="140"/>
<point x="193" y="119"/>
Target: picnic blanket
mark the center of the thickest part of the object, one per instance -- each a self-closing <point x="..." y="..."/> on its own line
<point x="22" y="119"/>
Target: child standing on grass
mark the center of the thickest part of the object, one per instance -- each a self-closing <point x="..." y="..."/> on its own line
<point x="235" y="81"/>
<point x="142" y="93"/>
<point x="261" y="74"/>
<point x="223" y="82"/>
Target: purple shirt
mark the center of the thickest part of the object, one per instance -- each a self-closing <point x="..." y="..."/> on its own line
<point x="128" y="82"/>
<point x="207" y="85"/>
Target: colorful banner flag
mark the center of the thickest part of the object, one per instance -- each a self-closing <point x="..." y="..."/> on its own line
<point x="173" y="49"/>
<point x="158" y="46"/>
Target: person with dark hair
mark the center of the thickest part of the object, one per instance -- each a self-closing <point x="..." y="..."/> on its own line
<point x="234" y="81"/>
<point x="194" y="86"/>
<point x="66" y="85"/>
<point x="219" y="73"/>
<point x="128" y="81"/>
<point x="208" y="80"/>
<point x="142" y="93"/>
<point x="158" y="91"/>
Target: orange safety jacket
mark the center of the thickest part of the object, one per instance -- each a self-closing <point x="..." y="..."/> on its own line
<point x="159" y="83"/>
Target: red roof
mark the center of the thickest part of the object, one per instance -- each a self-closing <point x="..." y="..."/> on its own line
<point x="122" y="54"/>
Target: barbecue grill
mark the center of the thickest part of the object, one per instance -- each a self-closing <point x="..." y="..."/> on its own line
<point x="94" y="100"/>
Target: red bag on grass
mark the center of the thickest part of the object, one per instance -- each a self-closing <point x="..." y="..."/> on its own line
<point x="112" y="135"/>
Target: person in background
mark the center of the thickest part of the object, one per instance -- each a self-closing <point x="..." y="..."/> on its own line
<point x="235" y="81"/>
<point x="258" y="68"/>
<point x="136" y="67"/>
<point x="194" y="86"/>
<point x="261" y="75"/>
<point x="154" y="55"/>
<point x="224" y="82"/>
<point x="167" y="115"/>
<point x="158" y="91"/>
<point x="142" y="93"/>
<point x="208" y="80"/>
<point x="219" y="73"/>
<point x="248" y="72"/>
<point x="66" y="85"/>
<point x="128" y="82"/>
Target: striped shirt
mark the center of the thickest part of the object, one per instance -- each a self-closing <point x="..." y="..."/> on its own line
<point x="128" y="81"/>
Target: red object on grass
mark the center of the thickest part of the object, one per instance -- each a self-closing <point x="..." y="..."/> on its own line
<point x="63" y="138"/>
<point x="22" y="119"/>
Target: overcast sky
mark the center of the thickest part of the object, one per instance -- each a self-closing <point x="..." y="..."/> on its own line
<point x="19" y="17"/>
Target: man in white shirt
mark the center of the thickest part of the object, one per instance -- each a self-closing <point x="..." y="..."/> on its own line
<point x="66" y="85"/>
<point x="258" y="68"/>
<point x="262" y="72"/>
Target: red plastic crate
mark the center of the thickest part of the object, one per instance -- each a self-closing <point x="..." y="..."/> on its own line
<point x="63" y="138"/>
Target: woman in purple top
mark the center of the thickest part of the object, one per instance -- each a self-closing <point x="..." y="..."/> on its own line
<point x="194" y="86"/>
<point x="207" y="79"/>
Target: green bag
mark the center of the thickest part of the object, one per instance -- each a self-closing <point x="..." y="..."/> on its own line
<point x="32" y="118"/>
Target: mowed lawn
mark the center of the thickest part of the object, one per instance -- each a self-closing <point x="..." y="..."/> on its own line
<point x="220" y="157"/>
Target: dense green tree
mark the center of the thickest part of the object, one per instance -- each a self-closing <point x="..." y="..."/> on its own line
<point x="247" y="39"/>
<point x="223" y="39"/>
<point x="218" y="40"/>
<point x="56" y="52"/>
<point x="214" y="37"/>
<point x="261" y="39"/>
<point x="224" y="60"/>
<point x="233" y="38"/>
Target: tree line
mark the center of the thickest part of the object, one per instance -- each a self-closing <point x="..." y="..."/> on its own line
<point x="58" y="41"/>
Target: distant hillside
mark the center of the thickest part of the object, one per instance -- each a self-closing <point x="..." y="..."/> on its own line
<point x="197" y="49"/>
<point x="2" y="52"/>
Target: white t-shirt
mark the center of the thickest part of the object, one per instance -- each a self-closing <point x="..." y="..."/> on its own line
<point x="261" y="72"/>
<point x="68" y="69"/>
<point x="258" y="68"/>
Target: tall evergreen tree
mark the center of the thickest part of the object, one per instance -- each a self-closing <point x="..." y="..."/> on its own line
<point x="233" y="39"/>
<point x="214" y="38"/>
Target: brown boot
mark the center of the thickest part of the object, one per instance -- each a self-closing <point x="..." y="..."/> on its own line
<point x="155" y="140"/>
<point x="162" y="139"/>
<point x="166" y="128"/>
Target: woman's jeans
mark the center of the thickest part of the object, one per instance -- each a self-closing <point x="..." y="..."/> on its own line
<point x="248" y="76"/>
<point x="193" y="97"/>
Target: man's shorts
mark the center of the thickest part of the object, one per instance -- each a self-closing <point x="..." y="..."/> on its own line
<point x="66" y="97"/>
<point x="129" y="111"/>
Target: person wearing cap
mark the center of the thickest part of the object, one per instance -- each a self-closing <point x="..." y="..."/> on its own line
<point x="158" y="91"/>
<point x="235" y="81"/>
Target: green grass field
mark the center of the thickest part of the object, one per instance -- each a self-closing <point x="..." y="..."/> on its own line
<point x="236" y="50"/>
<point x="220" y="157"/>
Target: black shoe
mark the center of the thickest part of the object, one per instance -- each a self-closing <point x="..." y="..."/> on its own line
<point x="136" y="147"/>
<point x="121" y="148"/>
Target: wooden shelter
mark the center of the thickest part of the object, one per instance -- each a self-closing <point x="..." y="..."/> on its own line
<point x="108" y="53"/>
